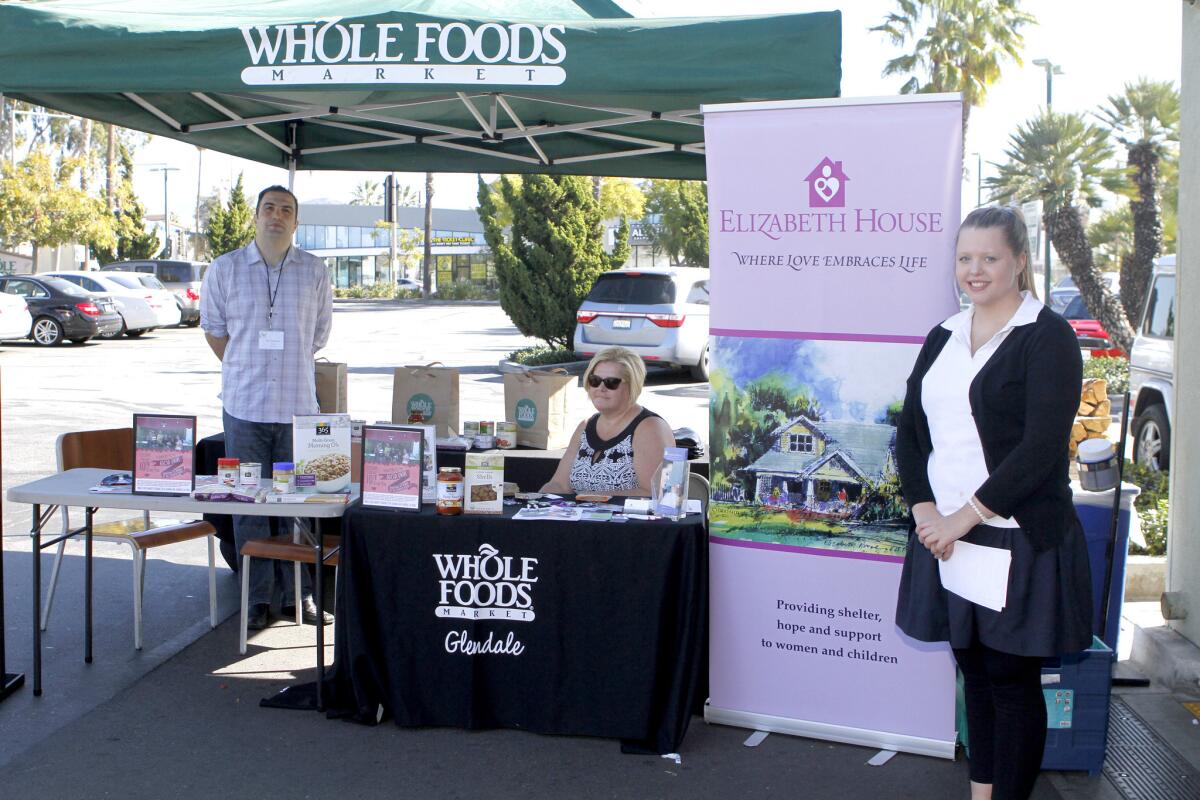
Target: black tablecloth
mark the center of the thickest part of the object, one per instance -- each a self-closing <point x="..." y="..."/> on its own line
<point x="613" y="647"/>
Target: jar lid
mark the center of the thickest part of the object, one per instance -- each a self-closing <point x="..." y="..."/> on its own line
<point x="1092" y="450"/>
<point x="283" y="465"/>
<point x="227" y="462"/>
<point x="450" y="469"/>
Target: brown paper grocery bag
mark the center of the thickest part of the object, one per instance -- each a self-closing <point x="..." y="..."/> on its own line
<point x="539" y="402"/>
<point x="331" y="386"/>
<point x="432" y="390"/>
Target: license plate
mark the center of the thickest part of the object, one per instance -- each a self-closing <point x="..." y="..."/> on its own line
<point x="620" y="323"/>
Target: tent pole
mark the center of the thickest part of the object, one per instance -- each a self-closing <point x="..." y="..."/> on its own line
<point x="292" y="157"/>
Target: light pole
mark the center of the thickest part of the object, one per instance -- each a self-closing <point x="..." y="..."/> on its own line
<point x="1052" y="69"/>
<point x="978" y="179"/>
<point x="166" y="207"/>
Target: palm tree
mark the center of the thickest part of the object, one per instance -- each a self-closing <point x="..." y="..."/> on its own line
<point x="1146" y="120"/>
<point x="958" y="45"/>
<point x="1060" y="159"/>
<point x="367" y="193"/>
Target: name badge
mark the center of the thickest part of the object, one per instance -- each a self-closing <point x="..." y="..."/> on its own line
<point x="270" y="340"/>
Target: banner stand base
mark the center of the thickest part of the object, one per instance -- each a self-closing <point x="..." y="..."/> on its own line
<point x="833" y="733"/>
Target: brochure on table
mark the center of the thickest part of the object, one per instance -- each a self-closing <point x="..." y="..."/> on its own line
<point x="164" y="447"/>
<point x="392" y="459"/>
<point x="670" y="483"/>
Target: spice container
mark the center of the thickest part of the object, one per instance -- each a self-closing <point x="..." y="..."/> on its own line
<point x="449" y="490"/>
<point x="484" y="441"/>
<point x="284" y="476"/>
<point x="227" y="471"/>
<point x="487" y="428"/>
<point x="470" y="430"/>
<point x="1097" y="465"/>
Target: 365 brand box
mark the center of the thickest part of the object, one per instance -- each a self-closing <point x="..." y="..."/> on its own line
<point x="484" y="484"/>
<point x="321" y="447"/>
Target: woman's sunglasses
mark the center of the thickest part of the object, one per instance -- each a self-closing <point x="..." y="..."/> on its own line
<point x="609" y="383"/>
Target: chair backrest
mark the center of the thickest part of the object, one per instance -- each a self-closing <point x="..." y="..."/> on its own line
<point x="111" y="448"/>
<point x="698" y="488"/>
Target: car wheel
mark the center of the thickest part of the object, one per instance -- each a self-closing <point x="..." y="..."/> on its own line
<point x="115" y="333"/>
<point x="700" y="371"/>
<point x="1152" y="438"/>
<point x="193" y="323"/>
<point x="46" y="331"/>
<point x="137" y="333"/>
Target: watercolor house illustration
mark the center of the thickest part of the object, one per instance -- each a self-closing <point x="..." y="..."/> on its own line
<point x="823" y="468"/>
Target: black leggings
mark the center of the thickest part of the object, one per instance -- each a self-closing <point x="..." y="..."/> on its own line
<point x="1006" y="719"/>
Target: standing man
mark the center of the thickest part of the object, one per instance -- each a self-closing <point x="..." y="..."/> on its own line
<point x="266" y="309"/>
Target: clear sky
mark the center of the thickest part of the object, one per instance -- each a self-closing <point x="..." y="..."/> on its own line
<point x="1100" y="44"/>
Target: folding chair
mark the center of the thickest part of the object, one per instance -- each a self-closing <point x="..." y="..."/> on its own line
<point x="112" y="448"/>
<point x="698" y="488"/>
<point x="280" y="548"/>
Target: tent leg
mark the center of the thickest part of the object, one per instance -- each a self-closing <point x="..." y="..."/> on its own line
<point x="291" y="174"/>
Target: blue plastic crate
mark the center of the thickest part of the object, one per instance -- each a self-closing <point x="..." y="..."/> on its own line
<point x="1077" y="689"/>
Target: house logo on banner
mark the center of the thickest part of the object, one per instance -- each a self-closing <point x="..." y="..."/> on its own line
<point x="331" y="51"/>
<point x="827" y="185"/>
<point x="485" y="586"/>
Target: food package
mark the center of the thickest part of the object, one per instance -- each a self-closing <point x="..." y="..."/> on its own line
<point x="484" y="483"/>
<point x="321" y="448"/>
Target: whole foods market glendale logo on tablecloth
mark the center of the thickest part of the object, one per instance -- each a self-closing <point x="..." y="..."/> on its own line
<point x="331" y="51"/>
<point x="485" y="586"/>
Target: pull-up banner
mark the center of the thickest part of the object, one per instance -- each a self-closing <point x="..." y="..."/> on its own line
<point x="832" y="229"/>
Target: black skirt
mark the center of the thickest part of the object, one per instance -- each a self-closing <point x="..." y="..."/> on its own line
<point x="1048" y="611"/>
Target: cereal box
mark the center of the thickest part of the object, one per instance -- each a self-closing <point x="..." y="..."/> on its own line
<point x="321" y="448"/>
<point x="484" y="484"/>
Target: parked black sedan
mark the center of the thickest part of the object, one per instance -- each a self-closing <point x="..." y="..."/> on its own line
<point x="62" y="310"/>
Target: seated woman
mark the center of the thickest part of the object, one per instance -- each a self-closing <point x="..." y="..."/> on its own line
<point x="617" y="450"/>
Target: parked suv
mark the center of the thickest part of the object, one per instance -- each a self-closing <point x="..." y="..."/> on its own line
<point x="183" y="278"/>
<point x="660" y="314"/>
<point x="1152" y="370"/>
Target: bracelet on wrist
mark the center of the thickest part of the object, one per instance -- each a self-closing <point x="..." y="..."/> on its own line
<point x="975" y="507"/>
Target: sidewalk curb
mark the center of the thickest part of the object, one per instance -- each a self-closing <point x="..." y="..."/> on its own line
<point x="1167" y="657"/>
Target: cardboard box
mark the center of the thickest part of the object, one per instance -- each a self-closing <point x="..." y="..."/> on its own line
<point x="483" y="490"/>
<point x="321" y="447"/>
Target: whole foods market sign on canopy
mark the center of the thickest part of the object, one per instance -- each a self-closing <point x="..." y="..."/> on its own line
<point x="554" y="86"/>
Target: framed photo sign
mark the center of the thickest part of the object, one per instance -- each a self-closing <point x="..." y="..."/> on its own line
<point x="164" y="454"/>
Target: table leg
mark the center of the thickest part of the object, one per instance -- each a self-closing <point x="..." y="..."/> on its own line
<point x="87" y="585"/>
<point x="319" y="590"/>
<point x="36" y="533"/>
<point x="9" y="682"/>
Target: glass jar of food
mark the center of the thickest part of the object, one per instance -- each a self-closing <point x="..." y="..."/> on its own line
<point x="449" y="490"/>
<point x="228" y="471"/>
<point x="283" y="474"/>
<point x="416" y="417"/>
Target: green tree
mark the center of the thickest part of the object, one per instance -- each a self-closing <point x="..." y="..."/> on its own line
<point x="1061" y="159"/>
<point x="39" y="206"/>
<point x="1145" y="119"/>
<point x="957" y="45"/>
<point x="1111" y="238"/>
<point x="553" y="256"/>
<point x="621" y="198"/>
<point x="129" y="224"/>
<point x="231" y="226"/>
<point x="367" y="193"/>
<point x="678" y="211"/>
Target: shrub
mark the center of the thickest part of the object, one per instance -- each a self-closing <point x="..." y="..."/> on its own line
<point x="466" y="291"/>
<point x="1113" y="370"/>
<point x="1152" y="507"/>
<point x="540" y="355"/>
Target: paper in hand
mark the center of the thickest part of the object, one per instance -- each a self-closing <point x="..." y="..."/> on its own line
<point x="977" y="573"/>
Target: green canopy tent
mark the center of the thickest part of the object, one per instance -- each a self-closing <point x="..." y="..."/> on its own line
<point x="541" y="86"/>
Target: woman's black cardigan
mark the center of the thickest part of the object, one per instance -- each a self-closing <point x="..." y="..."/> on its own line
<point x="1024" y="402"/>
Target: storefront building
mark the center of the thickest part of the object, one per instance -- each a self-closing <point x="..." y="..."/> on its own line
<point x="354" y="242"/>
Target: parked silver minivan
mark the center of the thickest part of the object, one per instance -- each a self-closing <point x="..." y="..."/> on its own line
<point x="1152" y="370"/>
<point x="661" y="314"/>
<point x="183" y="278"/>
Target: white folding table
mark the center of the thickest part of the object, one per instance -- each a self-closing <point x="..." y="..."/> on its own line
<point x="72" y="488"/>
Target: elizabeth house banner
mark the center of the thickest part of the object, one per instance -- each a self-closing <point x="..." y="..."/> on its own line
<point x="832" y="226"/>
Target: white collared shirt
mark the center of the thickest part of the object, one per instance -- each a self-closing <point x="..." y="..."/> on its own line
<point x="261" y="385"/>
<point x="956" y="466"/>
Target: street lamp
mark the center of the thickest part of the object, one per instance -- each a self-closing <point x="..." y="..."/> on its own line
<point x="166" y="209"/>
<point x="1052" y="69"/>
<point x="978" y="179"/>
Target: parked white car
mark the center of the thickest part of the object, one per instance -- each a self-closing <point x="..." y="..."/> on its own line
<point x="144" y="303"/>
<point x="1152" y="370"/>
<point x="15" y="319"/>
